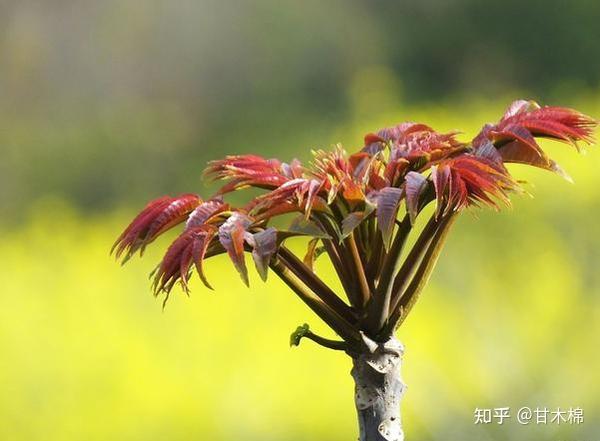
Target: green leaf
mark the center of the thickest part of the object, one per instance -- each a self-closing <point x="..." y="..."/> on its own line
<point x="298" y="334"/>
<point x="300" y="226"/>
<point x="313" y="251"/>
<point x="354" y="219"/>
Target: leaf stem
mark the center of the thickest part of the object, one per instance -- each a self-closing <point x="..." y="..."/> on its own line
<point x="412" y="260"/>
<point x="337" y="323"/>
<point x="423" y="273"/>
<point x="363" y="285"/>
<point x="319" y="287"/>
<point x="379" y="308"/>
<point x="337" y="256"/>
<point x="327" y="343"/>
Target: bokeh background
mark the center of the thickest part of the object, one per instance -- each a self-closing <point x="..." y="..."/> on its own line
<point x="107" y="104"/>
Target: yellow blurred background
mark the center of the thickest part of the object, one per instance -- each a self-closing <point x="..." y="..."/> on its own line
<point x="105" y="105"/>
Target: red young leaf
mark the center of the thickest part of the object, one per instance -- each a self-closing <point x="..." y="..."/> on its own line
<point x="179" y="257"/>
<point x="514" y="136"/>
<point x="205" y="211"/>
<point x="158" y="216"/>
<point x="414" y="140"/>
<point x="416" y="183"/>
<point x="264" y="246"/>
<point x="252" y="170"/>
<point x="338" y="192"/>
<point x="470" y="180"/>
<point x="489" y="152"/>
<point x="201" y="243"/>
<point x="298" y="194"/>
<point x="388" y="201"/>
<point x="232" y="237"/>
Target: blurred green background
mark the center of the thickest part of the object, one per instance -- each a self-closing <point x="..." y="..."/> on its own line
<point x="107" y="104"/>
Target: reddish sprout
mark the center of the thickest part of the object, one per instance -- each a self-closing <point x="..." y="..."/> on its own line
<point x="356" y="209"/>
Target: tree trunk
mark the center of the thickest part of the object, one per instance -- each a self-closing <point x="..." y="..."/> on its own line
<point x="378" y="391"/>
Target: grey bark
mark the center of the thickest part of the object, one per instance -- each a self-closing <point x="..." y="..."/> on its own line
<point x="378" y="390"/>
